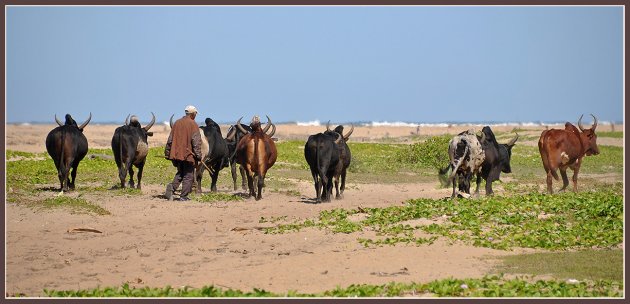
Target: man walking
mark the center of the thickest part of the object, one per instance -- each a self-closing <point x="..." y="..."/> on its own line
<point x="184" y="149"/>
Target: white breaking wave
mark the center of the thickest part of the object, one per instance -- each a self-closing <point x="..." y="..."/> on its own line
<point x="477" y="124"/>
<point x="315" y="123"/>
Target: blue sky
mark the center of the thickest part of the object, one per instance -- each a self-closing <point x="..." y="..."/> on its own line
<point x="366" y="63"/>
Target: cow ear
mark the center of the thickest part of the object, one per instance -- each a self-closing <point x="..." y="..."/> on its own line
<point x="149" y="133"/>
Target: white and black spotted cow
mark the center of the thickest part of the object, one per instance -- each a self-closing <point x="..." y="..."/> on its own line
<point x="466" y="158"/>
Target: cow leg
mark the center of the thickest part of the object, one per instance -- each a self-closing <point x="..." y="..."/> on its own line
<point x="318" y="186"/>
<point x="131" y="183"/>
<point x="478" y="183"/>
<point x="73" y="175"/>
<point x="243" y="174"/>
<point x="494" y="175"/>
<point x="250" y="184"/>
<point x="565" y="179"/>
<point x="140" y="169"/>
<point x="343" y="181"/>
<point x="66" y="175"/>
<point x="331" y="180"/>
<point x="324" y="181"/>
<point x="338" y="195"/>
<point x="122" y="174"/>
<point x="261" y="183"/>
<point x="576" y="170"/>
<point x="549" y="182"/>
<point x="198" y="178"/>
<point x="234" y="176"/>
<point x="214" y="176"/>
<point x="454" y="189"/>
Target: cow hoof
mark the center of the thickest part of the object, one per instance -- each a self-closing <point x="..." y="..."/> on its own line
<point x="338" y="196"/>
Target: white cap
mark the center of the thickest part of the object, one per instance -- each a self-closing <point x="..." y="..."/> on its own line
<point x="190" y="109"/>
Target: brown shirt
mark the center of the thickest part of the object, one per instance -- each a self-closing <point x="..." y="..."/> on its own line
<point x="184" y="140"/>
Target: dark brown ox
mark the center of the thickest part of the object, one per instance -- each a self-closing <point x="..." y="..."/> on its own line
<point x="67" y="146"/>
<point x="257" y="152"/>
<point x="562" y="149"/>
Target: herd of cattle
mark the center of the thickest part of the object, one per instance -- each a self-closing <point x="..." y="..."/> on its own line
<point x="252" y="147"/>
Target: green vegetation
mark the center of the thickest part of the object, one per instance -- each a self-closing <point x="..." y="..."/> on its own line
<point x="613" y="134"/>
<point x="581" y="265"/>
<point x="534" y="220"/>
<point x="489" y="286"/>
<point x="432" y="153"/>
<point x="9" y="154"/>
<point x="75" y="205"/>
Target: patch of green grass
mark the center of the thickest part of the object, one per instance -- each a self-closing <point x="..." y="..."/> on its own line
<point x="371" y="162"/>
<point x="9" y="154"/>
<point x="432" y="153"/>
<point x="613" y="134"/>
<point x="534" y="220"/>
<point x="489" y="286"/>
<point x="75" y="205"/>
<point x="217" y="197"/>
<point x="581" y="265"/>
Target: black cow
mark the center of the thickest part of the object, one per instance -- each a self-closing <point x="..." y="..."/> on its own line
<point x="497" y="159"/>
<point x="130" y="147"/>
<point x="344" y="158"/>
<point x="217" y="157"/>
<point x="67" y="146"/>
<point x="232" y="138"/>
<point x="322" y="155"/>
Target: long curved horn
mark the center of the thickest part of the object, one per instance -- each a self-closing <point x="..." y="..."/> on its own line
<point x="580" y="123"/>
<point x="127" y="120"/>
<point x="595" y="123"/>
<point x="328" y="126"/>
<point x="151" y="123"/>
<point x="268" y="124"/>
<point x="239" y="127"/>
<point x="513" y="141"/>
<point x="345" y="137"/>
<point x="58" y="122"/>
<point x="339" y="137"/>
<point x="170" y="121"/>
<point x="273" y="130"/>
<point x="86" y="122"/>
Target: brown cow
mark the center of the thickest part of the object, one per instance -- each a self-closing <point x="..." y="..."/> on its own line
<point x="560" y="149"/>
<point x="256" y="152"/>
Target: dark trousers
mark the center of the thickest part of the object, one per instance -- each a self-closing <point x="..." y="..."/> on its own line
<point x="184" y="176"/>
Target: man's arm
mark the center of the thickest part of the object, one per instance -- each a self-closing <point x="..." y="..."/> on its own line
<point x="169" y="143"/>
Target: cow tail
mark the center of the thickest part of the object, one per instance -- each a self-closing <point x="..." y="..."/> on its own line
<point x="120" y="155"/>
<point x="459" y="163"/>
<point x="62" y="164"/>
<point x="256" y="157"/>
<point x="553" y="171"/>
<point x="545" y="157"/>
<point x="321" y="178"/>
